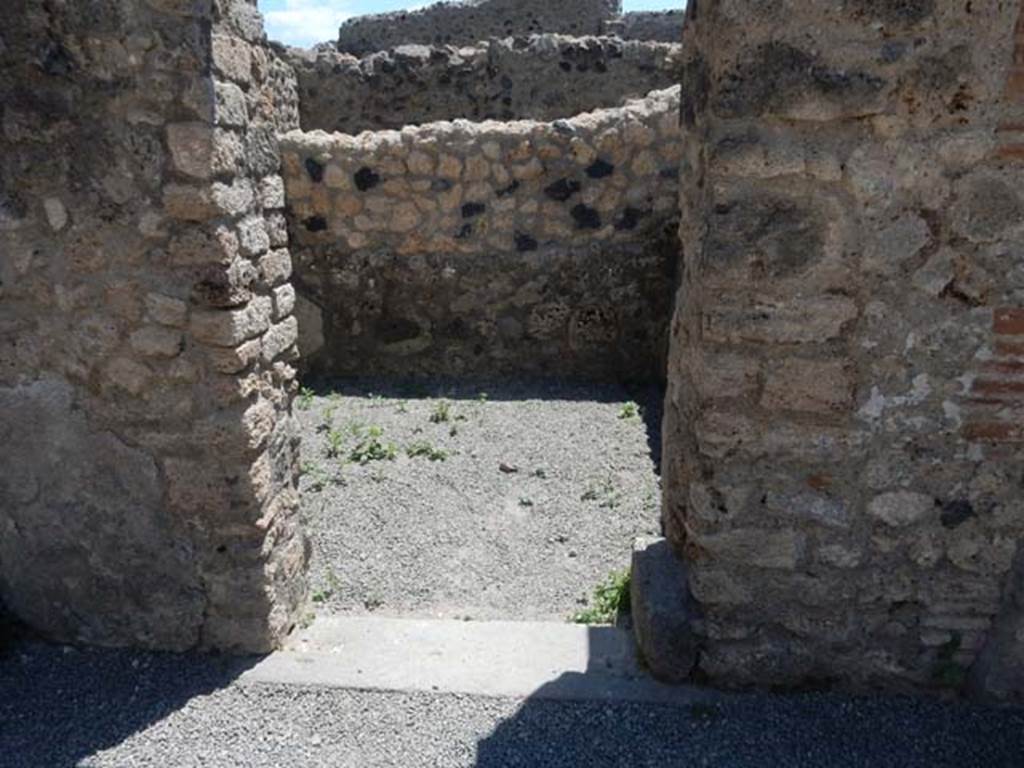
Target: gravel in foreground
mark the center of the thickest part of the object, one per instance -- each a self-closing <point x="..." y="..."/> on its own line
<point x="107" y="709"/>
<point x="499" y="500"/>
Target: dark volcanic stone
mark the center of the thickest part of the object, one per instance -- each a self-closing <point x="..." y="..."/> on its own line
<point x="562" y="190"/>
<point x="366" y="178"/>
<point x="600" y="168"/>
<point x="315" y="223"/>
<point x="586" y="217"/>
<point x="315" y="170"/>
<point x="525" y="243"/>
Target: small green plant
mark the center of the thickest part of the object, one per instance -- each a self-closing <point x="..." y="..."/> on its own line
<point x="629" y="410"/>
<point x="605" y="493"/>
<point x="483" y="397"/>
<point x="371" y="448"/>
<point x="442" y="413"/>
<point x="947" y="672"/>
<point x="402" y="407"/>
<point x="335" y="444"/>
<point x="322" y="595"/>
<point x="610" y="597"/>
<point x="426" y="450"/>
<point x="305" y="401"/>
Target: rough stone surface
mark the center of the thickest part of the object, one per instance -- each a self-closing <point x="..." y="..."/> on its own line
<point x="667" y="636"/>
<point x="459" y="248"/>
<point x="140" y="492"/>
<point x="543" y="77"/>
<point x="469" y="21"/>
<point x="842" y="441"/>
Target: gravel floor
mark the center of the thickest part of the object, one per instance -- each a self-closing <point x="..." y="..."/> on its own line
<point x="533" y="495"/>
<point x="107" y="709"/>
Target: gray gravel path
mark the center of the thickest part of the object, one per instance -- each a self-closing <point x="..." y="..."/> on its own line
<point x="535" y="496"/>
<point x="103" y="709"/>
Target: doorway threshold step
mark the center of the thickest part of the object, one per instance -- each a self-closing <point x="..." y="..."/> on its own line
<point x="503" y="659"/>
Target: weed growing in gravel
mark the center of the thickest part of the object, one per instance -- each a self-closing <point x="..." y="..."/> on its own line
<point x="371" y="448"/>
<point x="402" y="407"/>
<point x="610" y="598"/>
<point x="426" y="450"/>
<point x="605" y="492"/>
<point x="442" y="413"/>
<point x="322" y="596"/>
<point x="335" y="444"/>
<point x="629" y="410"/>
<point x="305" y="401"/>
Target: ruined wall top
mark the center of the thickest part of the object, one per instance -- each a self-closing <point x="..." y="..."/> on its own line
<point x="465" y="23"/>
<point x="540" y="77"/>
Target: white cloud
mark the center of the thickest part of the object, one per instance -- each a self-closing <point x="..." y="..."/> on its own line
<point x="307" y="22"/>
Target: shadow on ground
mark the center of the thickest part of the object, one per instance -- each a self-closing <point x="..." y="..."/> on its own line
<point x="60" y="705"/>
<point x="756" y="731"/>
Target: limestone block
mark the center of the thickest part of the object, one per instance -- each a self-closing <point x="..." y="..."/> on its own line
<point x="235" y="359"/>
<point x="157" y="341"/>
<point x="229" y="328"/>
<point x="232" y="58"/>
<point x="279" y="338"/>
<point x="231" y="110"/>
<point x="272" y="192"/>
<point x="191" y="146"/>
<point x="252" y="236"/>
<point x="774" y="549"/>
<point x="813" y="386"/>
<point x="902" y="508"/>
<point x="166" y="310"/>
<point x="284" y="301"/>
<point x="664" y="615"/>
<point x="56" y="213"/>
<point x="718" y="586"/>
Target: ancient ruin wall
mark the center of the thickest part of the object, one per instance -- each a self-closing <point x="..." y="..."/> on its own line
<point x="469" y="21"/>
<point x="843" y="436"/>
<point x="463" y="248"/>
<point x="659" y="26"/>
<point x="544" y="77"/>
<point x="147" y="459"/>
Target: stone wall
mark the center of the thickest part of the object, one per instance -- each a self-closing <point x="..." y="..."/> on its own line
<point x="470" y="21"/>
<point x="661" y="26"/>
<point x="463" y="248"/>
<point x="543" y="77"/>
<point x="843" y="436"/>
<point x="147" y="458"/>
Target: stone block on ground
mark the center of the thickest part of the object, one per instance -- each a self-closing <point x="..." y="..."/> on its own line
<point x="663" y="611"/>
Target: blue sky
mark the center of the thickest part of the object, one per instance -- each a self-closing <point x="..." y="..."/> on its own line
<point x="305" y="22"/>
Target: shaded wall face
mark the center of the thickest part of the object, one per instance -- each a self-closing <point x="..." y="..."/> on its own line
<point x="843" y="444"/>
<point x="147" y="492"/>
<point x="458" y="248"/>
<point x="544" y="77"/>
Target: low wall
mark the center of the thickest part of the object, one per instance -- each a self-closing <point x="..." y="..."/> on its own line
<point x="543" y="77"/>
<point x="660" y="26"/>
<point x="468" y="22"/>
<point x="463" y="248"/>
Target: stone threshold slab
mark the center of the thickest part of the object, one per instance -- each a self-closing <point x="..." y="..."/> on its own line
<point x="502" y="659"/>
